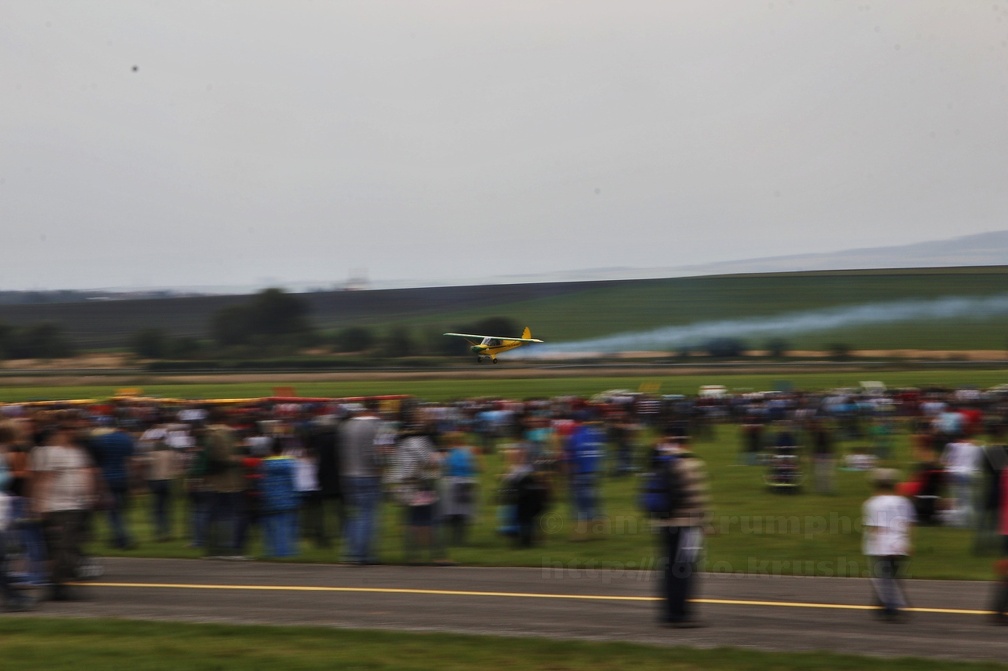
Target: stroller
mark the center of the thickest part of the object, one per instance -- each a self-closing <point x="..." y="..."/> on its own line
<point x="784" y="474"/>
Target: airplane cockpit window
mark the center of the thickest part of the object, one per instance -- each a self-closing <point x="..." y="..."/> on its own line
<point x="493" y="342"/>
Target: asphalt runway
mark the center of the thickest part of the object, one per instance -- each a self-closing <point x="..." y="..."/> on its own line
<point x="949" y="619"/>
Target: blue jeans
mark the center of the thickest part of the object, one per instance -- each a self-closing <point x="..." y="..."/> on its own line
<point x="119" y="496"/>
<point x="280" y="533"/>
<point x="199" y="517"/>
<point x="677" y="568"/>
<point x="6" y="589"/>
<point x="584" y="491"/>
<point x="363" y="497"/>
<point x="160" y="507"/>
<point x="30" y="535"/>
<point x="221" y="519"/>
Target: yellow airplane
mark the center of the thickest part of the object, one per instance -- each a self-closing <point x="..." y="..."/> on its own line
<point x="490" y="346"/>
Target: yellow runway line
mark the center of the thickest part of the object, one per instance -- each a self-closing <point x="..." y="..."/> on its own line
<point x="521" y="595"/>
<point x="374" y="590"/>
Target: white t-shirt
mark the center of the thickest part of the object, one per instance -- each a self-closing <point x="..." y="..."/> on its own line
<point x="962" y="457"/>
<point x="887" y="520"/>
<point x="70" y="486"/>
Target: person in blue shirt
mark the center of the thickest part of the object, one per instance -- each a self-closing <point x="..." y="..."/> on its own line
<point x="584" y="460"/>
<point x="459" y="483"/>
<point x="114" y="450"/>
<point x="279" y="504"/>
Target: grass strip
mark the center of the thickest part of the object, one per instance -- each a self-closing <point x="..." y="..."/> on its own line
<point x="41" y="644"/>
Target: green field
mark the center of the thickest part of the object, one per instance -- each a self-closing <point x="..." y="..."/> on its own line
<point x="563" y="312"/>
<point x="502" y="382"/>
<point x="162" y="646"/>
<point x="650" y="304"/>
<point x="756" y="530"/>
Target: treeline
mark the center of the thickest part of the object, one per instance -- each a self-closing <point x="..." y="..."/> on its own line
<point x="275" y="323"/>
<point x="38" y="341"/>
<point x="277" y="326"/>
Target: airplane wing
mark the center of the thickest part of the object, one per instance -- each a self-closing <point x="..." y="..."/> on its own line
<point x="465" y="335"/>
<point x="480" y="337"/>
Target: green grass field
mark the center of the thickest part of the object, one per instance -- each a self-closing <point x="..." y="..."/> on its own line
<point x="525" y="385"/>
<point x="589" y="312"/>
<point x="161" y="646"/>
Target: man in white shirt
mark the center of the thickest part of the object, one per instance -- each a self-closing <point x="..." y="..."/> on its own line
<point x="888" y="519"/>
<point x="62" y="490"/>
<point x="961" y="459"/>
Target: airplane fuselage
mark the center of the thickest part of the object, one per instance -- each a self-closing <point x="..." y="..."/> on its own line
<point x="488" y="347"/>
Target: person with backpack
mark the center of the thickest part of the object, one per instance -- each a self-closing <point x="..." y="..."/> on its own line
<point x="676" y="499"/>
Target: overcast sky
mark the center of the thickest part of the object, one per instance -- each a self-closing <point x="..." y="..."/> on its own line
<point x="252" y="142"/>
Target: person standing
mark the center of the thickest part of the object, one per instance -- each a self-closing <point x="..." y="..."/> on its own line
<point x="681" y="531"/>
<point x="460" y="491"/>
<point x="280" y="503"/>
<point x="823" y="458"/>
<point x="29" y="530"/>
<point x="360" y="470"/>
<point x="585" y="462"/>
<point x="993" y="463"/>
<point x="962" y="460"/>
<point x="254" y="449"/>
<point x="414" y="477"/>
<point x="622" y="432"/>
<point x="13" y="600"/>
<point x="888" y="520"/>
<point x="1001" y="565"/>
<point x="224" y="482"/>
<point x="162" y="470"/>
<point x="321" y="440"/>
<point x="62" y="490"/>
<point x="114" y="450"/>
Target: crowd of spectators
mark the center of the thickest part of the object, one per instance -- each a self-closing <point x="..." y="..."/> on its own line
<point x="287" y="471"/>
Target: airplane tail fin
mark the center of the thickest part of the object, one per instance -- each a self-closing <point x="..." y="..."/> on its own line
<point x="527" y="333"/>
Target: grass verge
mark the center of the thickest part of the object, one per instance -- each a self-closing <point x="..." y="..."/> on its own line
<point x="147" y="646"/>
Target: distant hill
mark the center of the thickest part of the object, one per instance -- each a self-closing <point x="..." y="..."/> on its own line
<point x="982" y="249"/>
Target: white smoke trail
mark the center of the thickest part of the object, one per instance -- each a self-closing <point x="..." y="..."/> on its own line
<point x="671" y="337"/>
